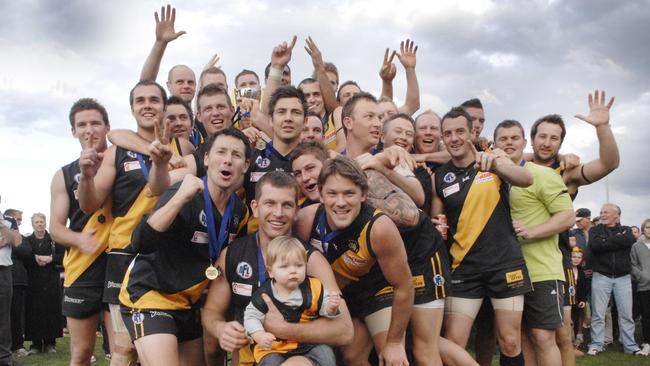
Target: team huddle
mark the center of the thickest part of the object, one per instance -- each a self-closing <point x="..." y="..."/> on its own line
<point x="317" y="224"/>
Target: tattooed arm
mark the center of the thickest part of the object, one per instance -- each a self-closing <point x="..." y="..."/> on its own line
<point x="396" y="204"/>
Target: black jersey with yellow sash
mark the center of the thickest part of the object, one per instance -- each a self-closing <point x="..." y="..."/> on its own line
<point x="329" y="131"/>
<point x="350" y="253"/>
<point x="481" y="237"/>
<point x="169" y="271"/>
<point x="132" y="199"/>
<point x="262" y="161"/>
<point x="243" y="266"/>
<point x="312" y="300"/>
<point x="84" y="270"/>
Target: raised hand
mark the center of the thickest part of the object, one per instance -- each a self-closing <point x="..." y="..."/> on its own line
<point x="90" y="159"/>
<point x="281" y="54"/>
<point x="406" y="55"/>
<point x="159" y="150"/>
<point x="314" y="52"/>
<point x="264" y="339"/>
<point x="212" y="62"/>
<point x="484" y="161"/>
<point x="165" y="24"/>
<point x="598" y="110"/>
<point x="388" y="70"/>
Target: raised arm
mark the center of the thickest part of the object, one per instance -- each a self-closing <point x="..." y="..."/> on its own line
<point x="407" y="57"/>
<point x="97" y="175"/>
<point x="165" y="33"/>
<point x="328" y="93"/>
<point x="608" y="156"/>
<point x="280" y="57"/>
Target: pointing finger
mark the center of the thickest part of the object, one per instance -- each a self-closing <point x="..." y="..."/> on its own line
<point x="293" y="42"/>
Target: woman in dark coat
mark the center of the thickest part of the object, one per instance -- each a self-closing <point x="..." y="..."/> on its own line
<point x="43" y="311"/>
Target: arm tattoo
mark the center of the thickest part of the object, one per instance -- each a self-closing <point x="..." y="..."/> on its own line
<point x="396" y="204"/>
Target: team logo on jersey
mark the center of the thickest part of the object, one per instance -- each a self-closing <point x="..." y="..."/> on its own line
<point x="137" y="318"/>
<point x="203" y="219"/>
<point x="77" y="178"/>
<point x="483" y="177"/>
<point x="262" y="162"/>
<point x="131" y="154"/>
<point x="244" y="270"/>
<point x="353" y="245"/>
<point x="438" y="280"/>
<point x="449" y="177"/>
<point x="235" y="220"/>
<point x="572" y="290"/>
<point x="355" y="261"/>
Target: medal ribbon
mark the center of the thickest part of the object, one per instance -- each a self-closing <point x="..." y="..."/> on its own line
<point x="261" y="267"/>
<point x="216" y="244"/>
<point x="143" y="166"/>
<point x="325" y="237"/>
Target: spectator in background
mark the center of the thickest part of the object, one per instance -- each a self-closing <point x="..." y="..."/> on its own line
<point x="610" y="243"/>
<point x="581" y="233"/>
<point x="43" y="310"/>
<point x="578" y="289"/>
<point x="9" y="236"/>
<point x="19" y="255"/>
<point x="640" y="262"/>
<point x="636" y="232"/>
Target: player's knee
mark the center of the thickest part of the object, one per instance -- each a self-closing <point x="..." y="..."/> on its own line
<point x="352" y="358"/>
<point x="543" y="339"/>
<point x="510" y="345"/>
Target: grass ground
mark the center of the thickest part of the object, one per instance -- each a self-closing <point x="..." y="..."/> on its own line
<point x="612" y="356"/>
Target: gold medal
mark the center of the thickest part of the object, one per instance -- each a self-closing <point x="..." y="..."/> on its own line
<point x="212" y="272"/>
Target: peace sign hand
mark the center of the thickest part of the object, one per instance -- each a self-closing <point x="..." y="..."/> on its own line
<point x="90" y="159"/>
<point x="388" y="70"/>
<point x="314" y="52"/>
<point x="165" y="25"/>
<point x="485" y="161"/>
<point x="598" y="110"/>
<point x="159" y="150"/>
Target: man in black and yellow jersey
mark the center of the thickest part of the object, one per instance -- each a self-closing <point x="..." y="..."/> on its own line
<point x="547" y="135"/>
<point x="472" y="190"/>
<point x="86" y="238"/>
<point x="122" y="175"/>
<point x="242" y="262"/>
<point x="540" y="212"/>
<point x="178" y="245"/>
<point x="369" y="261"/>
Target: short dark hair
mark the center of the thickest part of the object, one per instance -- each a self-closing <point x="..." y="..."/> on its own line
<point x="267" y="70"/>
<point x="472" y="103"/>
<point x="554" y="119"/>
<point x="345" y="167"/>
<point x="288" y="92"/>
<point x="210" y="90"/>
<point x="508" y="123"/>
<point x="233" y="132"/>
<point x="86" y="104"/>
<point x="306" y="81"/>
<point x="174" y="100"/>
<point x="455" y="113"/>
<point x="349" y="82"/>
<point x="12" y="212"/>
<point x="349" y="107"/>
<point x="163" y="93"/>
<point x="246" y="72"/>
<point x="212" y="70"/>
<point x="398" y="116"/>
<point x="315" y="148"/>
<point x="277" y="179"/>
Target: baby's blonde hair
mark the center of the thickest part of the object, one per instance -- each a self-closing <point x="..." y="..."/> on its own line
<point x="284" y="247"/>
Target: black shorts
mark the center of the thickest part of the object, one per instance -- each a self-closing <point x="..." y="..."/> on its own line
<point x="362" y="303"/>
<point x="82" y="302"/>
<point x="543" y="306"/>
<point x="184" y="324"/>
<point x="430" y="279"/>
<point x="116" y="265"/>
<point x="569" y="288"/>
<point x="498" y="284"/>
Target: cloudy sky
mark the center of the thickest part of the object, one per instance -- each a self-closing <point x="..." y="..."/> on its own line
<point x="523" y="59"/>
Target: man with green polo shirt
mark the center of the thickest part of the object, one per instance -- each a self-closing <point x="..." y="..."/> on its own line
<point x="539" y="213"/>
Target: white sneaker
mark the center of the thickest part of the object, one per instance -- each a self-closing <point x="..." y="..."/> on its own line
<point x="593" y="351"/>
<point x="640" y="352"/>
<point x="645" y="347"/>
<point x="21" y="352"/>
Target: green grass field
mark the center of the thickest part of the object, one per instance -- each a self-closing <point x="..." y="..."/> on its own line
<point x="613" y="356"/>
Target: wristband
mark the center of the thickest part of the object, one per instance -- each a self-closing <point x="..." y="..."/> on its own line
<point x="275" y="73"/>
